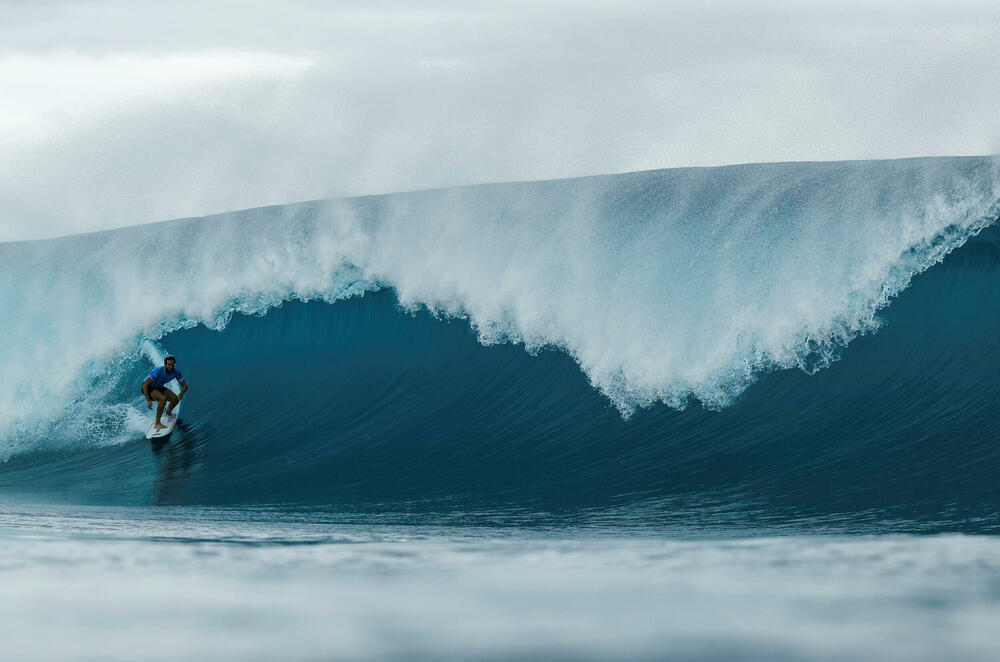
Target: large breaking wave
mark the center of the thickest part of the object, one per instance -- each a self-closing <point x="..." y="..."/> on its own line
<point x="681" y="287"/>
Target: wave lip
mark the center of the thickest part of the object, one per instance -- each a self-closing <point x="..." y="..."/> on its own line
<point x="665" y="286"/>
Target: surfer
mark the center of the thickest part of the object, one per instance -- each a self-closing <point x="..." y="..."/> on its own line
<point x="155" y="388"/>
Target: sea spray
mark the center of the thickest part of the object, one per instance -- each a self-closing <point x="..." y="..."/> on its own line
<point x="665" y="286"/>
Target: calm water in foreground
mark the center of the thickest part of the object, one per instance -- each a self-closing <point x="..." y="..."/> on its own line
<point x="172" y="583"/>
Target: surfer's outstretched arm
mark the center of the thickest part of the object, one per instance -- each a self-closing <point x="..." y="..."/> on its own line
<point x="145" y="392"/>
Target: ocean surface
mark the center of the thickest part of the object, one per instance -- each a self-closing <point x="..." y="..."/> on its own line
<point x="747" y="412"/>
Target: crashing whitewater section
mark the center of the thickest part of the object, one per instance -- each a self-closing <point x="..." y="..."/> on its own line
<point x="665" y="286"/>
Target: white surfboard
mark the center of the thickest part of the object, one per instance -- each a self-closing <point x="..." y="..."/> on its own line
<point x="169" y="421"/>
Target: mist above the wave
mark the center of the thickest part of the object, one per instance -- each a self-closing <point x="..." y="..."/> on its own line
<point x="113" y="115"/>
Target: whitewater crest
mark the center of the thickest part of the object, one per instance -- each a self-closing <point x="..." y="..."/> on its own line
<point x="666" y="286"/>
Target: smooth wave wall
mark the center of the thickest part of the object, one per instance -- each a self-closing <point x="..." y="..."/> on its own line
<point x="674" y="286"/>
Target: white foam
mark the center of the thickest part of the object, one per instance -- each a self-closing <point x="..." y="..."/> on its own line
<point x="665" y="286"/>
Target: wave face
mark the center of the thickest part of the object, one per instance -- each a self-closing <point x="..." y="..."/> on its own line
<point x="679" y="287"/>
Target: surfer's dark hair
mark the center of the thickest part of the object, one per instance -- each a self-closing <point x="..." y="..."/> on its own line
<point x="169" y="358"/>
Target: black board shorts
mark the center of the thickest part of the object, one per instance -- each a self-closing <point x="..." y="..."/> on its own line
<point x="152" y="388"/>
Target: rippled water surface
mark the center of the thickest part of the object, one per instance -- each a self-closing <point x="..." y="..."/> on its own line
<point x="122" y="583"/>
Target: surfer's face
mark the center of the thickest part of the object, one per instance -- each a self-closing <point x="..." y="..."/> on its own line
<point x="169" y="365"/>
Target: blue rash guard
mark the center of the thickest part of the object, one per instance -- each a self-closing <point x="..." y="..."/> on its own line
<point x="160" y="377"/>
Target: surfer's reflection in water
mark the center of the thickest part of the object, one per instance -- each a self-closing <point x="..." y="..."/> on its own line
<point x="177" y="455"/>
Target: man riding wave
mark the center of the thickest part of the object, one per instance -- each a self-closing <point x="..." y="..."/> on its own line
<point x="155" y="388"/>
